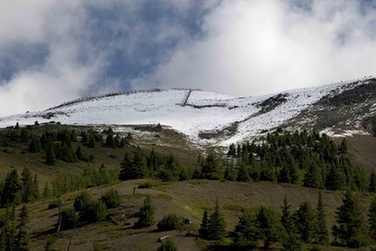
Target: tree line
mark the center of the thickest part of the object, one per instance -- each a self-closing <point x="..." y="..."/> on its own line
<point x="307" y="158"/>
<point x="292" y="228"/>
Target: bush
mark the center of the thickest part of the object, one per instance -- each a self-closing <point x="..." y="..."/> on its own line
<point x="82" y="201"/>
<point x="111" y="199"/>
<point x="100" y="212"/>
<point x="167" y="245"/>
<point x="69" y="219"/>
<point x="169" y="222"/>
<point x="94" y="212"/>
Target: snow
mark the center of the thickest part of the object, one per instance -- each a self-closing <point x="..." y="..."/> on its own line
<point x="205" y="111"/>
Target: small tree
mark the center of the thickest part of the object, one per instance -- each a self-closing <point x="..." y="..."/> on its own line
<point x="321" y="234"/>
<point x="204" y="227"/>
<point x="68" y="219"/>
<point x="169" y="222"/>
<point x="305" y="222"/>
<point x="26" y="186"/>
<point x="146" y="214"/>
<point x="101" y="212"/>
<point x="349" y="230"/>
<point x="22" y="238"/>
<point x="82" y="201"/>
<point x="50" y="155"/>
<point x="245" y="234"/>
<point x="167" y="245"/>
<point x="372" y="219"/>
<point x="111" y="199"/>
<point x="268" y="226"/>
<point x="372" y="183"/>
<point x="216" y="226"/>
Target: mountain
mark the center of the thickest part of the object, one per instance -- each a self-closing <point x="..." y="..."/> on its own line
<point x="205" y="117"/>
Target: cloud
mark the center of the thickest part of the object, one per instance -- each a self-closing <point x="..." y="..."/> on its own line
<point x="52" y="51"/>
<point x="257" y="47"/>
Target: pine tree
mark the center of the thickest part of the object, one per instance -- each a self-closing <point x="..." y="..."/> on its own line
<point x="146" y="214"/>
<point x="321" y="235"/>
<point x="349" y="230"/>
<point x="268" y="226"/>
<point x="291" y="238"/>
<point x="35" y="188"/>
<point x="35" y="145"/>
<point x="286" y="215"/>
<point x="11" y="189"/>
<point x="305" y="222"/>
<point x="372" y="183"/>
<point x="204" y="227"/>
<point x="167" y="245"/>
<point x="246" y="234"/>
<point x="22" y="239"/>
<point x="50" y="155"/>
<point x="372" y="219"/>
<point x="243" y="174"/>
<point x="26" y="186"/>
<point x="209" y="167"/>
<point x="216" y="226"/>
<point x="313" y="177"/>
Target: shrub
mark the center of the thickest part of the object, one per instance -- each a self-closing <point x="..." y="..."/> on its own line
<point x="100" y="211"/>
<point x="69" y="218"/>
<point x="167" y="245"/>
<point x="111" y="199"/>
<point x="169" y="222"/>
<point x="82" y="201"/>
<point x="94" y="212"/>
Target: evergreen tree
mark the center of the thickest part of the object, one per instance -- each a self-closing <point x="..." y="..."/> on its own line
<point x="291" y="240"/>
<point x="81" y="154"/>
<point x="26" y="186"/>
<point x="312" y="177"/>
<point x="321" y="235"/>
<point x="35" y="145"/>
<point x="372" y="183"/>
<point x="372" y="219"/>
<point x="146" y="214"/>
<point x="91" y="141"/>
<point x="243" y="174"/>
<point x="216" y="226"/>
<point x="246" y="234"/>
<point x="167" y="245"/>
<point x="11" y="189"/>
<point x="349" y="230"/>
<point x="305" y="222"/>
<point x="132" y="169"/>
<point x="204" y="227"/>
<point x="50" y="155"/>
<point x="268" y="226"/>
<point x="22" y="239"/>
<point x="35" y="188"/>
<point x="209" y="167"/>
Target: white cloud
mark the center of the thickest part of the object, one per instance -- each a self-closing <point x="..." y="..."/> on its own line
<point x="247" y="47"/>
<point x="257" y="47"/>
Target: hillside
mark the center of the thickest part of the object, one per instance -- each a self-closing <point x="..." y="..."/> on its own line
<point x="206" y="117"/>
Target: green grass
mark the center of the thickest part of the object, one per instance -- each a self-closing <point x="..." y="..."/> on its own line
<point x="187" y="199"/>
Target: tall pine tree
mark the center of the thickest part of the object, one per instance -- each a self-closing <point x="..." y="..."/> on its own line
<point x="321" y="235"/>
<point x="216" y="227"/>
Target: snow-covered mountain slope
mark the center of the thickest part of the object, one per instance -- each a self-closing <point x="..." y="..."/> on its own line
<point x="207" y="117"/>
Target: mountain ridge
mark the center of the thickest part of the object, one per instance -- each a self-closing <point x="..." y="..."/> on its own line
<point x="217" y="119"/>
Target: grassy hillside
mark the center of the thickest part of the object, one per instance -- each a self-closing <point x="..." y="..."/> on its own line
<point x="187" y="199"/>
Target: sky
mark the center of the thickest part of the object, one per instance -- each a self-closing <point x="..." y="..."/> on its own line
<point x="52" y="51"/>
